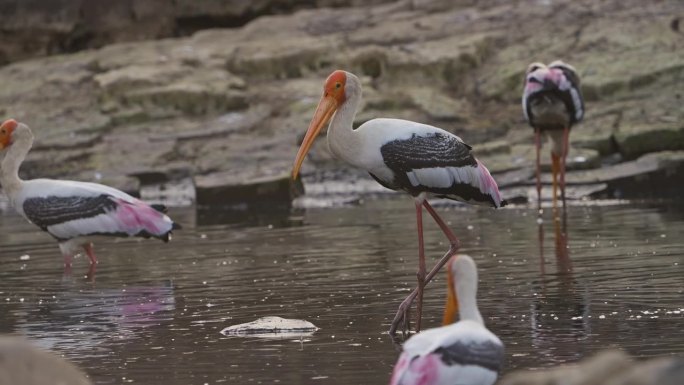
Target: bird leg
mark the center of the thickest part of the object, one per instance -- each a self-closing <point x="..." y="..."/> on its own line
<point x="455" y="244"/>
<point x="537" y="143"/>
<point x="88" y="247"/>
<point x="564" y="156"/>
<point x="67" y="264"/>
<point x="68" y="260"/>
<point x="555" y="166"/>
<point x="90" y="275"/>
<point x="421" y="262"/>
<point x="407" y="302"/>
<point x="542" y="267"/>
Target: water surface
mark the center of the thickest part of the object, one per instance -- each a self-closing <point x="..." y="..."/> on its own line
<point x="152" y="312"/>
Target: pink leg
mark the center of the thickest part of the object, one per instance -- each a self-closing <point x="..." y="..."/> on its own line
<point x="67" y="264"/>
<point x="421" y="262"/>
<point x="455" y="244"/>
<point x="90" y="276"/>
<point x="88" y="247"/>
<point x="67" y="260"/>
<point x="537" y="142"/>
<point x="407" y="302"/>
<point x="566" y="144"/>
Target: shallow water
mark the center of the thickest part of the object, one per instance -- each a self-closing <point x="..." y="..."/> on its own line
<point x="152" y="312"/>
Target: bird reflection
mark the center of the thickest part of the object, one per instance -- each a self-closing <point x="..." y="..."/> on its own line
<point x="84" y="320"/>
<point x="560" y="309"/>
<point x="90" y="275"/>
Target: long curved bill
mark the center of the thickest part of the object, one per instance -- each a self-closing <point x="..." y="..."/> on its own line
<point x="326" y="108"/>
<point x="451" y="307"/>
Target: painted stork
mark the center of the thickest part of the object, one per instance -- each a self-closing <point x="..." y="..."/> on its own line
<point x="402" y="155"/>
<point x="464" y="352"/>
<point x="552" y="103"/>
<point x="74" y="212"/>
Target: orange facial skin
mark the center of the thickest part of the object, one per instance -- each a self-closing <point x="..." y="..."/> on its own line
<point x="6" y="129"/>
<point x="333" y="96"/>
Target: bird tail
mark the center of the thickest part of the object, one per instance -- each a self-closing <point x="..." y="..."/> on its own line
<point x="140" y="219"/>
<point x="489" y="186"/>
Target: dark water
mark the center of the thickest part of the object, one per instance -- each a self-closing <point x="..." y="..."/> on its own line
<point x="153" y="312"/>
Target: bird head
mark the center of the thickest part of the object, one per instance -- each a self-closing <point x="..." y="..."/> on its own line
<point x="557" y="75"/>
<point x="334" y="94"/>
<point x="6" y="130"/>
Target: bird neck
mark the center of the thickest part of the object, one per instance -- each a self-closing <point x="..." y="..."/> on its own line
<point x="9" y="168"/>
<point x="344" y="142"/>
<point x="466" y="292"/>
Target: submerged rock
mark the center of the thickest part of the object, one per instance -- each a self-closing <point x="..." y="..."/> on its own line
<point x="271" y="327"/>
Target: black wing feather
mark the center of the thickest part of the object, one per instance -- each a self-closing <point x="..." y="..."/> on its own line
<point x="436" y="150"/>
<point x="426" y="151"/>
<point x="487" y="354"/>
<point x="53" y="210"/>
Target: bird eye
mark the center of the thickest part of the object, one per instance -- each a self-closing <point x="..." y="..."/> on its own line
<point x="338" y="85"/>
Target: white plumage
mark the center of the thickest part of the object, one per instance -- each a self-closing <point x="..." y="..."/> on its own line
<point x="74" y="212"/>
<point x="419" y="159"/>
<point x="463" y="353"/>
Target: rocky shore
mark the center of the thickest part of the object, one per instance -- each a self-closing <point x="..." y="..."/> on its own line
<point x="223" y="109"/>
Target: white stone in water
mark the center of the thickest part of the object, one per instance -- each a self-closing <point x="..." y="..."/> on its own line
<point x="25" y="257"/>
<point x="271" y="327"/>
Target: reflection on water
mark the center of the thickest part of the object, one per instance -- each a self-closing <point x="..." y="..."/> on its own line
<point x="154" y="312"/>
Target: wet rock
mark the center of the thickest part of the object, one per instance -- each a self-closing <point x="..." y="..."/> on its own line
<point x="610" y="367"/>
<point x="246" y="187"/>
<point x="23" y="363"/>
<point x="635" y="140"/>
<point x="175" y="187"/>
<point x="597" y="133"/>
<point x="650" y="176"/>
<point x="524" y="155"/>
<point x="272" y="327"/>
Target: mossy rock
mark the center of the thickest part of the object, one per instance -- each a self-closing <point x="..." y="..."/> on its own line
<point x="636" y="140"/>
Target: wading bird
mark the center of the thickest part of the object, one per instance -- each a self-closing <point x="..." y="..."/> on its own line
<point x="402" y="155"/>
<point x="74" y="212"/>
<point x="552" y="103"/>
<point x="464" y="352"/>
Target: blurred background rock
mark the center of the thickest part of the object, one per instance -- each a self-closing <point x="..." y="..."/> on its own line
<point x="221" y="91"/>
<point x="21" y="363"/>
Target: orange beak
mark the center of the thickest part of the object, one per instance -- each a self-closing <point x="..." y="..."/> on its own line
<point x="326" y="108"/>
<point x="6" y="132"/>
<point x="451" y="307"/>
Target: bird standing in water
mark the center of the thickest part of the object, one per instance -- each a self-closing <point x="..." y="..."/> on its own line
<point x="552" y="103"/>
<point x="419" y="159"/>
<point x="74" y="212"/>
<point x="465" y="352"/>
